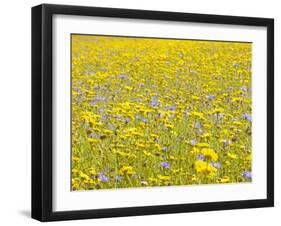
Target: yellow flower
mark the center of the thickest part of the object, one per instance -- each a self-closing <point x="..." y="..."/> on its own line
<point x="92" y="171"/>
<point x="128" y="170"/>
<point x="152" y="179"/>
<point x="197" y="114"/>
<point x="238" y="123"/>
<point x="164" y="178"/>
<point x="217" y="110"/>
<point x="158" y="146"/>
<point x="147" y="153"/>
<point x="194" y="178"/>
<point x="75" y="171"/>
<point x="210" y="154"/>
<point x="169" y="126"/>
<point x="203" y="145"/>
<point x="204" y="168"/>
<point x="200" y="166"/>
<point x="91" y="140"/>
<point x="232" y="156"/>
<point x="137" y="134"/>
<point x="75" y="158"/>
<point x="206" y="135"/>
<point x="75" y="184"/>
<point x="108" y="132"/>
<point x="84" y="176"/>
<point x="128" y="88"/>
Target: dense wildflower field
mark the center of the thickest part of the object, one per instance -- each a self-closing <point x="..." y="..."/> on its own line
<point x="159" y="112"/>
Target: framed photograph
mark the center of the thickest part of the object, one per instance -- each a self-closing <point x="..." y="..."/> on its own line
<point x="145" y="112"/>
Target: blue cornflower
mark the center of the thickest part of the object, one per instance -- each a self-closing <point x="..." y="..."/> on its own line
<point x="247" y="174"/>
<point x="172" y="108"/>
<point x="244" y="88"/>
<point x="247" y="117"/>
<point x="117" y="178"/>
<point x="201" y="157"/>
<point x="165" y="165"/>
<point x="103" y="178"/>
<point x="216" y="164"/>
<point x="100" y="98"/>
<point x="122" y="76"/>
<point x="81" y="92"/>
<point x="155" y="102"/>
<point x="210" y="97"/>
<point x="197" y="125"/>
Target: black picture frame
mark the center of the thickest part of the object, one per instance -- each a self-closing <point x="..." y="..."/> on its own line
<point x="42" y="84"/>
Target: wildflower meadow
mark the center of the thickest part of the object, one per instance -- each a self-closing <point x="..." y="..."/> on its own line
<point x="159" y="112"/>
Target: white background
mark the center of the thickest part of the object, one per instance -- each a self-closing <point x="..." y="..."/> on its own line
<point x="15" y="111"/>
<point x="64" y="199"/>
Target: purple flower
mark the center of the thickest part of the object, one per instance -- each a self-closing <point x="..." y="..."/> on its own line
<point x="210" y="97"/>
<point x="165" y="165"/>
<point x="92" y="135"/>
<point x="172" y="108"/>
<point x="127" y="120"/>
<point x="244" y="88"/>
<point x="100" y="98"/>
<point x="122" y="76"/>
<point x="145" y="121"/>
<point x="155" y="102"/>
<point x="119" y="116"/>
<point x="81" y="92"/>
<point x="247" y="117"/>
<point x="138" y="117"/>
<point x="103" y="178"/>
<point x="247" y="174"/>
<point x="93" y="103"/>
<point x="201" y="157"/>
<point x="216" y="164"/>
<point x="164" y="149"/>
<point x="197" y="125"/>
<point x="104" y="116"/>
<point x="117" y="178"/>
